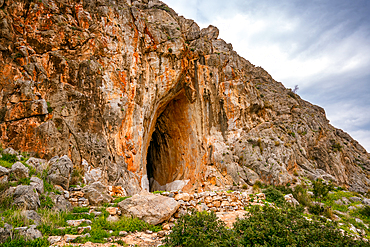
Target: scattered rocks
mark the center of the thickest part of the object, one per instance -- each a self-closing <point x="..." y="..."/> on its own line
<point x="161" y="234"/>
<point x="69" y="238"/>
<point x="182" y="196"/>
<point x="29" y="233"/>
<point x="54" y="239"/>
<point x="78" y="222"/>
<point x="168" y="226"/>
<point x="355" y="199"/>
<point x="338" y="202"/>
<point x="345" y="201"/>
<point x="81" y="229"/>
<point x="153" y="209"/>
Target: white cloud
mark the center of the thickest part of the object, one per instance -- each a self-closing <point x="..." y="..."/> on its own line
<point x="326" y="51"/>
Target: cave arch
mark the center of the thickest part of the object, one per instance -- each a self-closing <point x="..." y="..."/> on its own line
<point x="172" y="153"/>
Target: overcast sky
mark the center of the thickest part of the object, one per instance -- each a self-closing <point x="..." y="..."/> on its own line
<point x="323" y="46"/>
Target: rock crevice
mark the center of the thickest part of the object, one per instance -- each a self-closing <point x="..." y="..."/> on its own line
<point x="139" y="92"/>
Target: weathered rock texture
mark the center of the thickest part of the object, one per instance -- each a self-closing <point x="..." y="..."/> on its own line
<point x="154" y="102"/>
<point x="153" y="209"/>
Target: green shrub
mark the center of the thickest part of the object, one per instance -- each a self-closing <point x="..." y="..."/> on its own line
<point x="51" y="220"/>
<point x="365" y="211"/>
<point x="300" y="193"/>
<point x="78" y="216"/>
<point x="5" y="163"/>
<point x="268" y="226"/>
<point x="316" y="209"/>
<point x="39" y="242"/>
<point x="284" y="189"/>
<point x="321" y="189"/>
<point x="11" y="158"/>
<point x="24" y="181"/>
<point x="200" y="229"/>
<point x="274" y="195"/>
<point x="16" y="218"/>
<point x="80" y="210"/>
<point x="5" y="202"/>
<point x="101" y="226"/>
<point x="120" y="199"/>
<point x="46" y="202"/>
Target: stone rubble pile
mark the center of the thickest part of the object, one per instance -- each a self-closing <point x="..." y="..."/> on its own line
<point x="78" y="196"/>
<point x="220" y="201"/>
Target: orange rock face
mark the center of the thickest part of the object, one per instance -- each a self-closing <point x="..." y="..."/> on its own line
<point x="157" y="103"/>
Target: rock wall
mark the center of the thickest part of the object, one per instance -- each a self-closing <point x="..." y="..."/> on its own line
<point x="146" y="99"/>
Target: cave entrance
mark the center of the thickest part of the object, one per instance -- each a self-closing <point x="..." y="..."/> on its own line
<point x="172" y="151"/>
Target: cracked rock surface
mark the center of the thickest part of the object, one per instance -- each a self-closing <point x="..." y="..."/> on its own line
<point x="151" y="101"/>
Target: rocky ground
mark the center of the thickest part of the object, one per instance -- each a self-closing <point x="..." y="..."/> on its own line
<point x="48" y="199"/>
<point x="119" y="85"/>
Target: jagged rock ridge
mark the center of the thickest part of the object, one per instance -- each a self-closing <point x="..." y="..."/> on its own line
<point x="144" y="98"/>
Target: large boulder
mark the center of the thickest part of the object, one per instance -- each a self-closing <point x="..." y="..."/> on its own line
<point x="97" y="193"/>
<point x="153" y="209"/>
<point x="25" y="196"/>
<point x="60" y="171"/>
<point x="20" y="171"/>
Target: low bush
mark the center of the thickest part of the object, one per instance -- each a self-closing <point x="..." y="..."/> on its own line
<point x="268" y="226"/>
<point x="284" y="189"/>
<point x="274" y="195"/>
<point x="16" y="218"/>
<point x="264" y="226"/>
<point x="300" y="193"/>
<point x="120" y="199"/>
<point x="365" y="211"/>
<point x="80" y="210"/>
<point x="39" y="242"/>
<point x="200" y="229"/>
<point x="101" y="227"/>
<point x="5" y="163"/>
<point x="321" y="189"/>
<point x="10" y="158"/>
<point x="46" y="202"/>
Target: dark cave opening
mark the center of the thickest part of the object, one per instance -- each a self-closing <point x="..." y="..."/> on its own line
<point x="172" y="149"/>
<point x="153" y="158"/>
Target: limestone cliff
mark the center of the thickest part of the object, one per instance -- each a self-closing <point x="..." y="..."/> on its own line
<point x="149" y="100"/>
